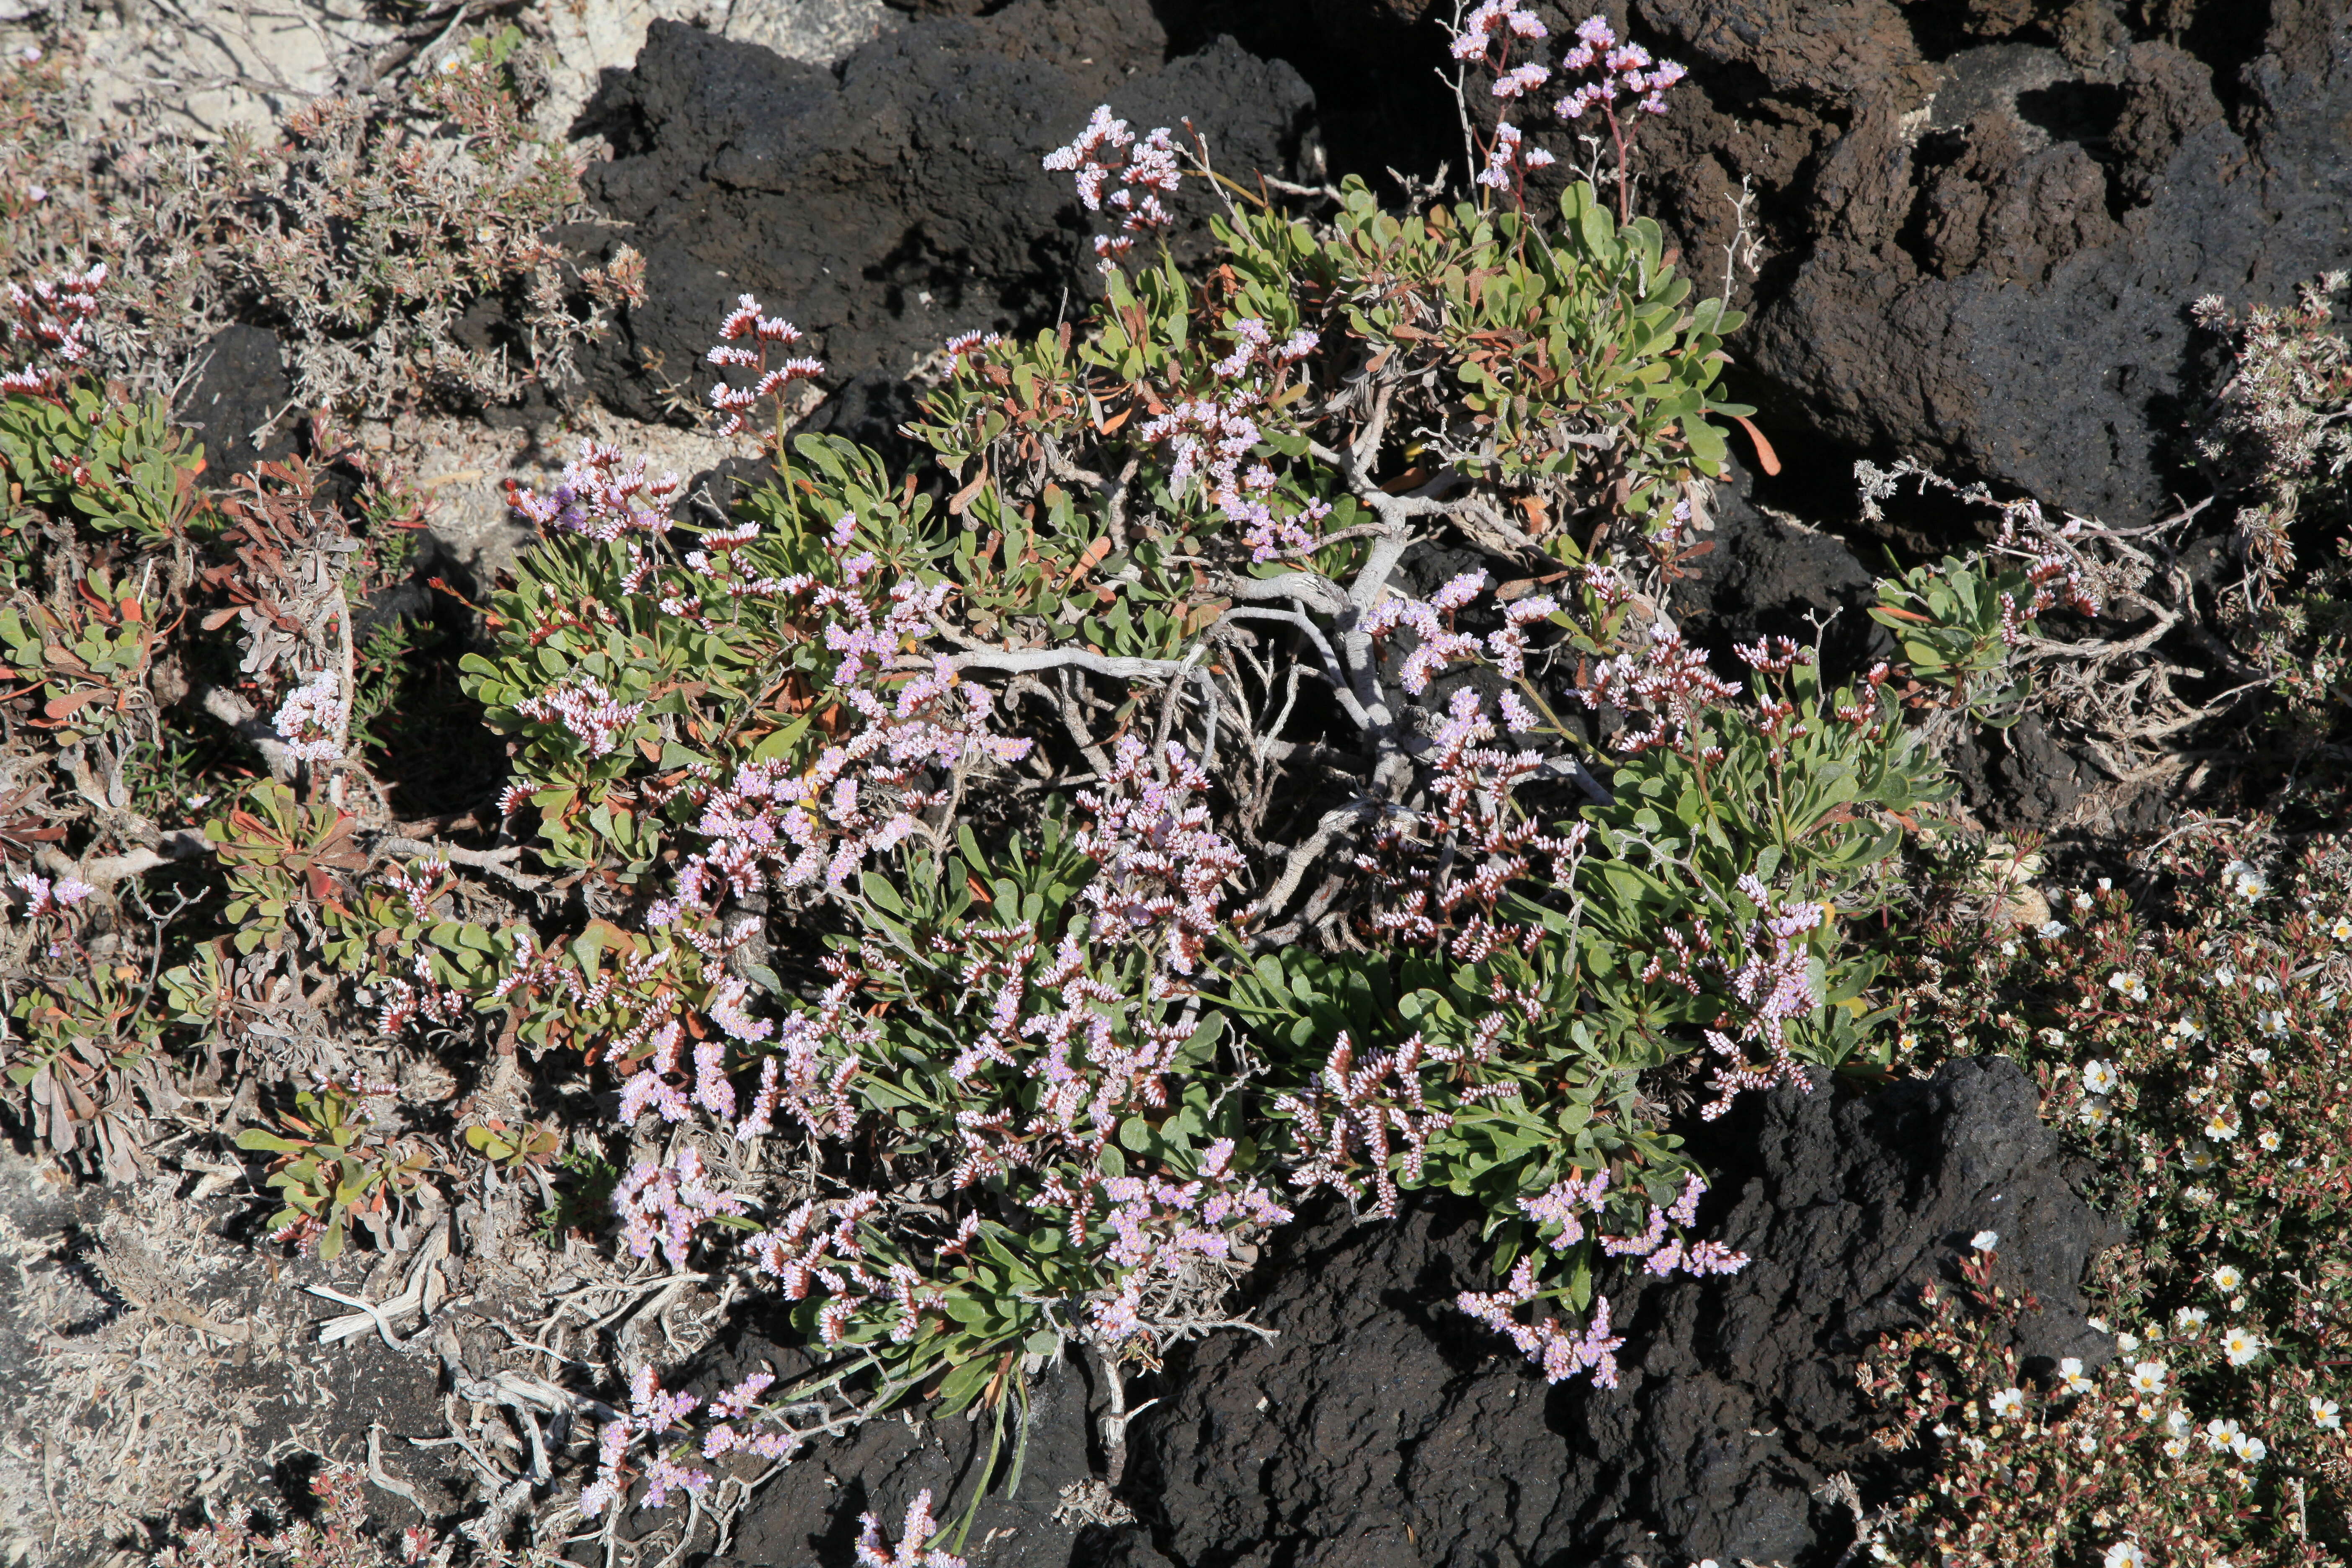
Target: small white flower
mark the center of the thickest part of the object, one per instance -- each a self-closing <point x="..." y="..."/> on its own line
<point x="2242" y="1346"/>
<point x="2260" y="1099"/>
<point x="2249" y="1447"/>
<point x="2227" y="1279"/>
<point x="2071" y="1373"/>
<point x="2098" y="1077"/>
<point x="2175" y="1421"/>
<point x="1985" y="1240"/>
<point x="2093" y="1112"/>
<point x="2088" y="1442"/>
<point x="2244" y="880"/>
<point x="2127" y="1341"/>
<point x="2268" y="1138"/>
<point x="2125" y="1555"/>
<point x="2148" y="1379"/>
<point x="2197" y="1197"/>
<point x="2342" y="929"/>
<point x="2051" y="931"/>
<point x="2324" y="1415"/>
<point x="2221" y="1127"/>
<point x="2106" y="884"/>
<point x="2273" y="1021"/>
<point x="2009" y="950"/>
<point x="451" y="64"/>
<point x="2008" y="1405"/>
<point x="2220" y="1434"/>
<point x="2225" y="975"/>
<point x="2264" y="985"/>
<point x="2082" y="900"/>
<point x="2260" y="1055"/>
<point x="2199" y="1157"/>
<point x="2175" y="1446"/>
<point x="2188" y="1319"/>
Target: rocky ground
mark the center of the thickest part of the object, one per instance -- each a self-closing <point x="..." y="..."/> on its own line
<point x="1979" y="227"/>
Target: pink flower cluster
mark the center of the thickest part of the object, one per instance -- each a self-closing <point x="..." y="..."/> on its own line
<point x="1162" y="862"/>
<point x="52" y="320"/>
<point x="587" y="711"/>
<point x="1213" y="436"/>
<point x="1145" y="170"/>
<point x="770" y="825"/>
<point x="772" y="381"/>
<point x="651" y="1413"/>
<point x="1158" y="1224"/>
<point x="1561" y="1353"/>
<point x="1440" y="645"/>
<point x="1770" y="985"/>
<point x="664" y="1202"/>
<point x="1363" y="1105"/>
<point x="914" y="1548"/>
<point x="1669" y="683"/>
<point x="603" y="494"/>
<point x="1626" y="69"/>
<point x="1483" y="846"/>
<point x="43" y="897"/>
<point x="804" y="1252"/>
<point x="310" y="718"/>
<point x="1663" y="1254"/>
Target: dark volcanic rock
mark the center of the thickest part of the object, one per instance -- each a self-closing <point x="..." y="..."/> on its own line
<point x="884" y="209"/>
<point x="1987" y="223"/>
<point x="241" y="388"/>
<point x="1381" y="1426"/>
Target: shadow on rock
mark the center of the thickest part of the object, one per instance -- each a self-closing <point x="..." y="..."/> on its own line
<point x="1382" y="1427"/>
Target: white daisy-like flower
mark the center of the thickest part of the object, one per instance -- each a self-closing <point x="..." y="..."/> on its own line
<point x="2342" y="929"/>
<point x="2188" y="1319"/>
<point x="2126" y="1341"/>
<point x="2200" y="1157"/>
<point x="2088" y="1442"/>
<point x="2260" y="1099"/>
<point x="2272" y="1022"/>
<point x="2260" y="1055"/>
<point x="2126" y="984"/>
<point x="2227" y="1279"/>
<point x="2249" y="1447"/>
<point x="2242" y="1346"/>
<point x="2268" y="1139"/>
<point x="2175" y="1446"/>
<point x="2071" y="1373"/>
<point x="2082" y="900"/>
<point x="2148" y="1379"/>
<point x="2125" y="1554"/>
<point x="2218" y="1126"/>
<point x="2098" y="1077"/>
<point x="1985" y="1240"/>
<point x="2008" y="1405"/>
<point x="2093" y="1112"/>
<point x="2225" y="975"/>
<point x="2175" y="1421"/>
<point x="2324" y="1415"/>
<point x="2243" y="880"/>
<point x="2220" y="1434"/>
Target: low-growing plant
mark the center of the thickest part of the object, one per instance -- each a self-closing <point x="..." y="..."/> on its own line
<point x="2194" y="1051"/>
<point x="335" y="1162"/>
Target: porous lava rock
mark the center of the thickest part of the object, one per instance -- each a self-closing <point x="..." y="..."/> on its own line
<point x="886" y="204"/>
<point x="1382" y="1426"/>
<point x="1985" y="223"/>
